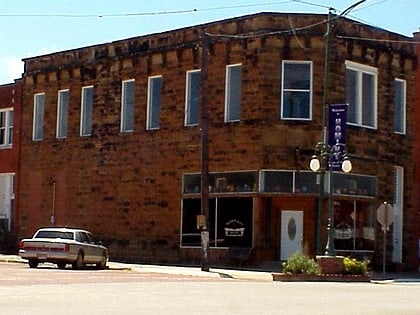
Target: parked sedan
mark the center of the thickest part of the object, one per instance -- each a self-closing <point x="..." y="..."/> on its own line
<point x="63" y="246"/>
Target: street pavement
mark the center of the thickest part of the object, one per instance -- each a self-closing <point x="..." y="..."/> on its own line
<point x="251" y="275"/>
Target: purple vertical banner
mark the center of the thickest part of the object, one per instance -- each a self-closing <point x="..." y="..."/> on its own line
<point x="337" y="118"/>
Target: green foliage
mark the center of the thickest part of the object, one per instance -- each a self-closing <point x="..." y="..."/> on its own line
<point x="301" y="264"/>
<point x="354" y="267"/>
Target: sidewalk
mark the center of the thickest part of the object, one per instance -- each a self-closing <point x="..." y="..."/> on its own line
<point x="174" y="270"/>
<point x="267" y="276"/>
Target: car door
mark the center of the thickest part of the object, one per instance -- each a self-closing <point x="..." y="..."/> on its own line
<point x="95" y="252"/>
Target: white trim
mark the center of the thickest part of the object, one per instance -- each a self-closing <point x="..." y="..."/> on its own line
<point x="361" y="69"/>
<point x="398" y="228"/>
<point x="283" y="89"/>
<point x="187" y="97"/>
<point x="149" y="99"/>
<point x="228" y="92"/>
<point x="8" y="124"/>
<point x="59" y="121"/>
<point x="82" y="110"/>
<point x="35" y="112"/>
<point x="404" y="104"/>
<point x="123" y="106"/>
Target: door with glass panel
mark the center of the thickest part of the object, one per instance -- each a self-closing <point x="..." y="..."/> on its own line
<point x="291" y="233"/>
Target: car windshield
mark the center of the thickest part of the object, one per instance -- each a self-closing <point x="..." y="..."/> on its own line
<point x="55" y="234"/>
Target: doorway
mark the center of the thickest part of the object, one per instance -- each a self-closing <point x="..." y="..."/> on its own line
<point x="291" y="233"/>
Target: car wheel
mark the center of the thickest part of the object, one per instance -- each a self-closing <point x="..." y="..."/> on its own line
<point x="102" y="263"/>
<point x="78" y="264"/>
<point x="33" y="263"/>
<point x="61" y="265"/>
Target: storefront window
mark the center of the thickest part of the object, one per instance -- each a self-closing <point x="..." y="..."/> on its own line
<point x="230" y="222"/>
<point x="354" y="223"/>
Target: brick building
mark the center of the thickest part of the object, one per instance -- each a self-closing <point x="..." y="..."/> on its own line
<point x="416" y="156"/>
<point x="10" y="114"/>
<point x="111" y="140"/>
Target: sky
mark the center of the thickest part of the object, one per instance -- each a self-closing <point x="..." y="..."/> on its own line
<point x="30" y="28"/>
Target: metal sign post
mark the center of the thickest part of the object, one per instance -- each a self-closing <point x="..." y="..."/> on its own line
<point x="385" y="216"/>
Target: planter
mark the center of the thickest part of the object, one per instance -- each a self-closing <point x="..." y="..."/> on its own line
<point x="330" y="264"/>
<point x="320" y="278"/>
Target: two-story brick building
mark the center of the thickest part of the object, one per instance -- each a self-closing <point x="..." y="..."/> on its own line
<point x="10" y="118"/>
<point x="111" y="139"/>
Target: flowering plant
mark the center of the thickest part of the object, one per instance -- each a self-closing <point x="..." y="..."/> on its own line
<point x="354" y="267"/>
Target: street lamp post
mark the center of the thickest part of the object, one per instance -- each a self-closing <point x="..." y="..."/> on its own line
<point x="321" y="161"/>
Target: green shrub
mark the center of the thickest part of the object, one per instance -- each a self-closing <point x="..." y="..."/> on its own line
<point x="354" y="267"/>
<point x="301" y="264"/>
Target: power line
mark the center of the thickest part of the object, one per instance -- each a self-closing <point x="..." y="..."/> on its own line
<point x="113" y="15"/>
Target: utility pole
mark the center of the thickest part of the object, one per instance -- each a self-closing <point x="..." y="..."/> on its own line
<point x="322" y="145"/>
<point x="204" y="128"/>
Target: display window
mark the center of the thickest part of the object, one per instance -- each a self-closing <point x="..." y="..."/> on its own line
<point x="230" y="222"/>
<point x="354" y="225"/>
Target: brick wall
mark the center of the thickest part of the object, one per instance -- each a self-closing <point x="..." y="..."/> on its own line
<point x="127" y="186"/>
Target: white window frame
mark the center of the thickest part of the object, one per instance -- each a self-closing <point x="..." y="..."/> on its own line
<point x="189" y="121"/>
<point x="127" y="122"/>
<point x="232" y="90"/>
<point x="86" y="112"/>
<point x="284" y="90"/>
<point x="38" y="117"/>
<point x="7" y="137"/>
<point x="361" y="69"/>
<point x="400" y="107"/>
<point x="153" y="104"/>
<point x="63" y="100"/>
<point x="398" y="228"/>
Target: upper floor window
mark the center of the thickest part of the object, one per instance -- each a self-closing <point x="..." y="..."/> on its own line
<point x="233" y="93"/>
<point x="296" y="101"/>
<point x="361" y="94"/>
<point x="86" y="111"/>
<point x="400" y="105"/>
<point x="38" y="119"/>
<point x="6" y="127"/>
<point x="62" y="113"/>
<point x="153" y="102"/>
<point x="127" y="106"/>
<point x="192" y="97"/>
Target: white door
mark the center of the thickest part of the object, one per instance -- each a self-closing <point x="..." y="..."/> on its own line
<point x="291" y="233"/>
<point x="6" y="196"/>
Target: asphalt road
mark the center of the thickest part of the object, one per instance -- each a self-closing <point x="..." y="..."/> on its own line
<point x="48" y="290"/>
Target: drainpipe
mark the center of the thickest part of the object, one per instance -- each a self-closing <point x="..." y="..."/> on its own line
<point x="53" y="204"/>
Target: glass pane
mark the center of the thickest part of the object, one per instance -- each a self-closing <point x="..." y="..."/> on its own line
<point x="228" y="182"/>
<point x="234" y="222"/>
<point x="128" y="106"/>
<point x="296" y="104"/>
<point x="349" y="184"/>
<point x="39" y="116"/>
<point x="193" y="100"/>
<point x="233" y="101"/>
<point x="63" y="103"/>
<point x="354" y="224"/>
<point x="297" y="76"/>
<point x="368" y="100"/>
<point x="87" y="106"/>
<point x="154" y="102"/>
<point x="306" y="182"/>
<point x="190" y="235"/>
<point x="10" y="126"/>
<point x="399" y="106"/>
<point x="277" y="181"/>
<point x="351" y="92"/>
<point x="3" y="128"/>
